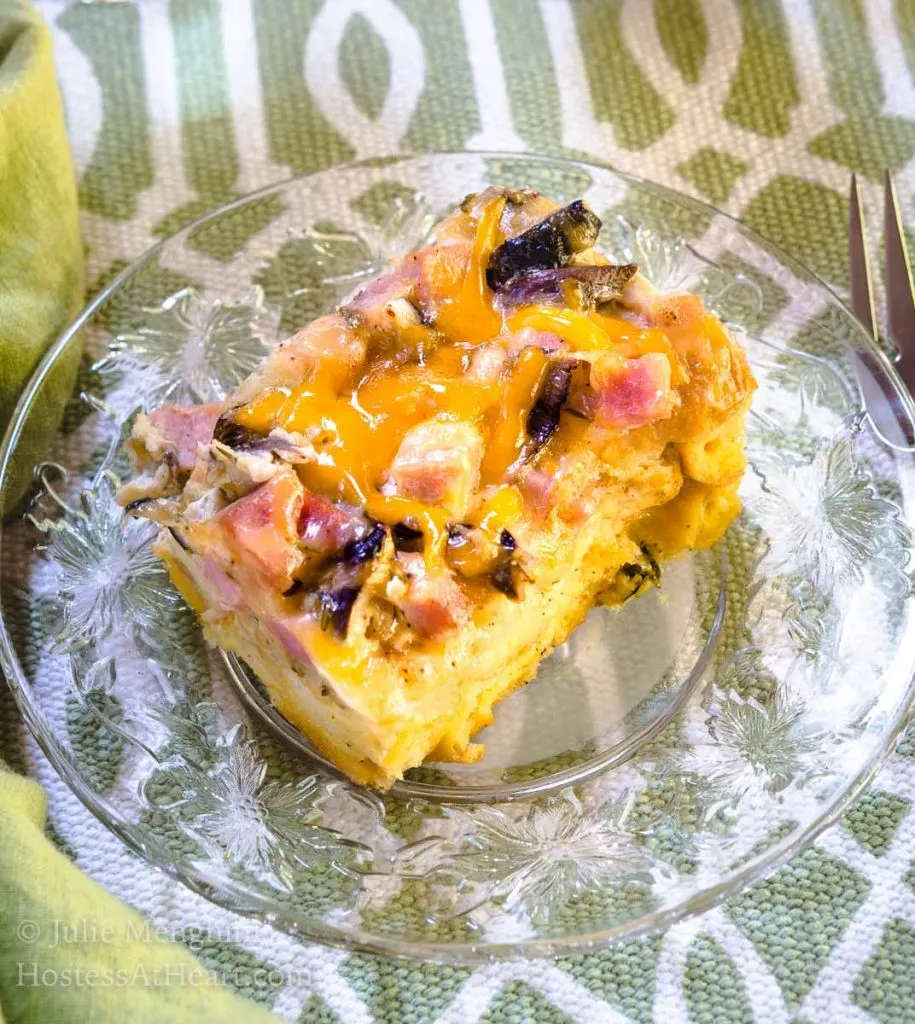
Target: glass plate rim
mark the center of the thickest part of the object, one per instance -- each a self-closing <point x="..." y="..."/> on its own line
<point x="464" y="953"/>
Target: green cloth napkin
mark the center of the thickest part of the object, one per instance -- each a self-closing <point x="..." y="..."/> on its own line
<point x="41" y="254"/>
<point x="71" y="952"/>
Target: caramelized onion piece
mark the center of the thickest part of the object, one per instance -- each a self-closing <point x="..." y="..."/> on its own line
<point x="543" y="418"/>
<point x="550" y="243"/>
<point x="365" y="549"/>
<point x="589" y="286"/>
<point x="407" y="538"/>
<point x="470" y="551"/>
<point x="234" y="435"/>
<point x="505" y="579"/>
<point x="336" y="607"/>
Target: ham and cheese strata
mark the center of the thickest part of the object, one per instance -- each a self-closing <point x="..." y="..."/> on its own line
<point x="415" y="498"/>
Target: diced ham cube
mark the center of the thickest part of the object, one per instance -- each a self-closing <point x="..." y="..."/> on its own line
<point x="262" y="529"/>
<point x="376" y="300"/>
<point x="433" y="604"/>
<point x="537" y="486"/>
<point x="329" y="336"/>
<point x="487" y="364"/>
<point x="438" y="463"/>
<point x="398" y="284"/>
<point x="324" y="528"/>
<point x="177" y="430"/>
<point x="440" y="270"/>
<point x="631" y="392"/>
<point x="387" y="303"/>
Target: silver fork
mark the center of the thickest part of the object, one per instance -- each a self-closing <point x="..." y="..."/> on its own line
<point x="881" y="401"/>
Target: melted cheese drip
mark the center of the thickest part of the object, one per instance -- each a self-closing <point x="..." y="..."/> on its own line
<point x="468" y="314"/>
<point x="509" y="431"/>
<point x="501" y="510"/>
<point x="590" y="332"/>
<point x="577" y="329"/>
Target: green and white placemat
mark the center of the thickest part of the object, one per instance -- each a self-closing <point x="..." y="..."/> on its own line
<point x="760" y="106"/>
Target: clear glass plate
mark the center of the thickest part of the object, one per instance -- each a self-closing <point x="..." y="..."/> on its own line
<point x="668" y="754"/>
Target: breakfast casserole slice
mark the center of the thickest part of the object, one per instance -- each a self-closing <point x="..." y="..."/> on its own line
<point x="415" y="498"/>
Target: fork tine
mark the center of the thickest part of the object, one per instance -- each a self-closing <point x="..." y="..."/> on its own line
<point x="862" y="292"/>
<point x="900" y="298"/>
<point x="887" y="413"/>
